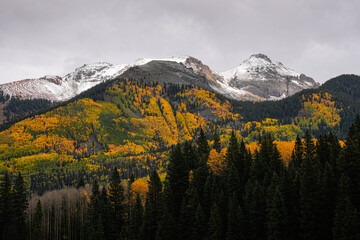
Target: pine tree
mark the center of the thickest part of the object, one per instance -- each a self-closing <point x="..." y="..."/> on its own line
<point x="37" y="223"/>
<point x="200" y="225"/>
<point x="255" y="210"/>
<point x="153" y="208"/>
<point x="178" y="179"/>
<point x="5" y="206"/>
<point x="185" y="223"/>
<point x="116" y="197"/>
<point x="236" y="222"/>
<point x="19" y="206"/>
<point x="347" y="218"/>
<point x="277" y="216"/>
<point x="310" y="204"/>
<point x="190" y="156"/>
<point x="203" y="147"/>
<point x="309" y="146"/>
<point x="297" y="154"/>
<point x="349" y="163"/>
<point x="136" y="218"/>
<point x="167" y="227"/>
<point x="105" y="213"/>
<point x="95" y="226"/>
<point x="233" y="152"/>
<point x="216" y="138"/>
<point x="215" y="224"/>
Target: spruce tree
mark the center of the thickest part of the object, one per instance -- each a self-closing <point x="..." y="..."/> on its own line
<point x="5" y="206"/>
<point x="153" y="208"/>
<point x="203" y="146"/>
<point x="200" y="225"/>
<point x="349" y="163"/>
<point x="236" y="222"/>
<point x="37" y="223"/>
<point x="215" y="224"/>
<point x="116" y="197"/>
<point x="167" y="229"/>
<point x="136" y="218"/>
<point x="105" y="213"/>
<point x="346" y="220"/>
<point x="94" y="221"/>
<point x="216" y="138"/>
<point x="178" y="179"/>
<point x="19" y="206"/>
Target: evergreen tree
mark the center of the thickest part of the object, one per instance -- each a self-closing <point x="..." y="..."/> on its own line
<point x="203" y="147"/>
<point x="297" y="154"/>
<point x="233" y="152"/>
<point x="19" y="206"/>
<point x="277" y="216"/>
<point x="136" y="218"/>
<point x="167" y="227"/>
<point x="116" y="197"/>
<point x="215" y="224"/>
<point x="5" y="206"/>
<point x="200" y="226"/>
<point x="349" y="163"/>
<point x="153" y="208"/>
<point x="177" y="177"/>
<point x="255" y="210"/>
<point x="346" y="220"/>
<point x="105" y="211"/>
<point x="236" y="222"/>
<point x="216" y="138"/>
<point x="310" y="204"/>
<point x="95" y="225"/>
<point x="37" y="223"/>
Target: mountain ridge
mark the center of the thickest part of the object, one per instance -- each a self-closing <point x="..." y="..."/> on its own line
<point x="230" y="83"/>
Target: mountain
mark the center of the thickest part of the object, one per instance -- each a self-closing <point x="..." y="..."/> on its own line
<point x="268" y="80"/>
<point x="56" y="88"/>
<point x="132" y="122"/>
<point x="257" y="79"/>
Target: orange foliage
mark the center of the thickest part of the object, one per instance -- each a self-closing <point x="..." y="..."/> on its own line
<point x="139" y="186"/>
<point x="217" y="161"/>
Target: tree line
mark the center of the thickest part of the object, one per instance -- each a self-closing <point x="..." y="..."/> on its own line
<point x="255" y="196"/>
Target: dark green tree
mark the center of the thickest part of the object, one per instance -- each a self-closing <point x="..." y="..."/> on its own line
<point x="19" y="206"/>
<point x="136" y="218"/>
<point x="117" y="197"/>
<point x="346" y="220"/>
<point x="216" y="138"/>
<point x="236" y="220"/>
<point x="153" y="208"/>
<point x="5" y="205"/>
<point x="37" y="223"/>
<point x="215" y="231"/>
<point x="178" y="180"/>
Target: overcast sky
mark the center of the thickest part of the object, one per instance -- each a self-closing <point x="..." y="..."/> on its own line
<point x="320" y="38"/>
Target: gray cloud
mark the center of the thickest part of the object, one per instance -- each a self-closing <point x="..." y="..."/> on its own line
<point x="317" y="37"/>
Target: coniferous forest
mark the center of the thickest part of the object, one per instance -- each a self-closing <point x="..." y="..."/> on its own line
<point x="245" y="196"/>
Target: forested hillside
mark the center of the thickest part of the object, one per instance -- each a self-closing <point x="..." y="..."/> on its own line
<point x="132" y="124"/>
<point x="209" y="192"/>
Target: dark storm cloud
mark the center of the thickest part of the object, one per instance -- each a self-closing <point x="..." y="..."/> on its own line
<point x="317" y="37"/>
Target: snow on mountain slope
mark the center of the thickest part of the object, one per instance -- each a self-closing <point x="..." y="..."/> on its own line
<point x="261" y="77"/>
<point x="256" y="79"/>
<point x="56" y="88"/>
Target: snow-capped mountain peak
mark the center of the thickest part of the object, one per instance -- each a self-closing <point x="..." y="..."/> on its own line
<point x="266" y="79"/>
<point x="256" y="79"/>
<point x="56" y="88"/>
